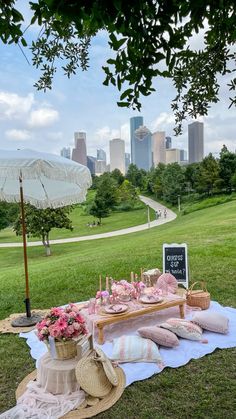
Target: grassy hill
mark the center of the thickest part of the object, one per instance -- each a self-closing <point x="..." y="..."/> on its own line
<point x="205" y="388"/>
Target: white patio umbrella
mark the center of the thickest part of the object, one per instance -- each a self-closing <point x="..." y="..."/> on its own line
<point x="45" y="181"/>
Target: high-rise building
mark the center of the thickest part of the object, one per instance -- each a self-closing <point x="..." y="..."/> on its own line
<point x="168" y="142"/>
<point x="142" y="148"/>
<point x="172" y="155"/>
<point x="100" y="167"/>
<point x="127" y="161"/>
<point x="135" y="123"/>
<point x="91" y="161"/>
<point x="65" y="152"/>
<point x="195" y="142"/>
<point x="158" y="147"/>
<point x="117" y="155"/>
<point x="101" y="155"/>
<point x="79" y="153"/>
<point x="183" y="155"/>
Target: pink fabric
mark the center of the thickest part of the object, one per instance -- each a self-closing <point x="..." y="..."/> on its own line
<point x="160" y="336"/>
<point x="135" y="349"/>
<point x="167" y="283"/>
<point x="213" y="321"/>
<point x="132" y="325"/>
<point x="38" y="404"/>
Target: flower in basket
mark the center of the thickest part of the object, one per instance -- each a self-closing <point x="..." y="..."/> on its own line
<point x="62" y="324"/>
<point x="102" y="294"/>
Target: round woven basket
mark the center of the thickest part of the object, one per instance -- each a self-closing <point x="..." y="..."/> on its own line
<point x="198" y="298"/>
<point x="65" y="349"/>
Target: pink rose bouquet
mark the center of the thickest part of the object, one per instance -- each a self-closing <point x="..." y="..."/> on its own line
<point x="122" y="287"/>
<point x="62" y="324"/>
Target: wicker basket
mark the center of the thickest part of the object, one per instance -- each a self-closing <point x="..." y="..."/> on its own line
<point x="150" y="277"/>
<point x="198" y="298"/>
<point x="64" y="349"/>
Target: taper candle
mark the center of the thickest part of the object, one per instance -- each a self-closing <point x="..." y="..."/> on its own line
<point x="100" y="283"/>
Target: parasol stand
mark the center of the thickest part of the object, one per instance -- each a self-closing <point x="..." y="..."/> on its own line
<point x="29" y="319"/>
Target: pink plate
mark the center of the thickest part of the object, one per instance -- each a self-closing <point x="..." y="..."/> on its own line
<point x="116" y="308"/>
<point x="150" y="299"/>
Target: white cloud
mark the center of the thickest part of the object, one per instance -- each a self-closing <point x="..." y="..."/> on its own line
<point x="18" y="134"/>
<point x="163" y="122"/>
<point x="14" y="106"/>
<point x="43" y="117"/>
<point x="55" y="136"/>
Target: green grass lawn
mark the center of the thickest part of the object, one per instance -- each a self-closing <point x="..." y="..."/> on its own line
<point x="117" y="220"/>
<point x="205" y="388"/>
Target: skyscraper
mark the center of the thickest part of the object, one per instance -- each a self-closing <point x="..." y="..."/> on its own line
<point x="172" y="155"/>
<point x="168" y="142"/>
<point x="159" y="147"/>
<point x="142" y="148"/>
<point x="135" y="123"/>
<point x="127" y="161"/>
<point x="91" y="161"/>
<point x="195" y="142"/>
<point x="117" y="155"/>
<point x="79" y="153"/>
<point x="65" y="152"/>
<point x="101" y="155"/>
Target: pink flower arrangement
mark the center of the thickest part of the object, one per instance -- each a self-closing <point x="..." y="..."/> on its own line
<point x="122" y="287"/>
<point x="62" y="324"/>
<point x="102" y="294"/>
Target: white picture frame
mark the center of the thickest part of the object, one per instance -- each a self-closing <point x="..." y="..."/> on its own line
<point x="181" y="274"/>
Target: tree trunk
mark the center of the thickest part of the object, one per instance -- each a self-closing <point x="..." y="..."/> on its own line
<point x="45" y="240"/>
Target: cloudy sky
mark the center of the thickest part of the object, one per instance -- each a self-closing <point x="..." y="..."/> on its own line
<point x="47" y="121"/>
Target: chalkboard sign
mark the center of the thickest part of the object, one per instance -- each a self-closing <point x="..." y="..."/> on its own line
<point x="175" y="261"/>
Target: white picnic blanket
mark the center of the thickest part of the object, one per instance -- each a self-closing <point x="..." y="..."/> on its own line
<point x="172" y="357"/>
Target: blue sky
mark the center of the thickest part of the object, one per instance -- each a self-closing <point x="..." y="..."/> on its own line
<point x="47" y="121"/>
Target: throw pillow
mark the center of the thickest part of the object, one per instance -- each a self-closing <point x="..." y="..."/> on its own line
<point x="184" y="329"/>
<point x="160" y="336"/>
<point x="212" y="321"/>
<point x="135" y="349"/>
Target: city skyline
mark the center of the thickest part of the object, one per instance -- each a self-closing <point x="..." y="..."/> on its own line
<point x="47" y="121"/>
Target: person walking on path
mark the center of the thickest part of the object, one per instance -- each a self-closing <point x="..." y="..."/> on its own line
<point x="157" y="215"/>
<point x="165" y="213"/>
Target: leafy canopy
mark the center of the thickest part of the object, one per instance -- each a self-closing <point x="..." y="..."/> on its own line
<point x="147" y="38"/>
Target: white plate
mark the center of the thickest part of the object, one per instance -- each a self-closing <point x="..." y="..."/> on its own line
<point x="116" y="308"/>
<point x="150" y="299"/>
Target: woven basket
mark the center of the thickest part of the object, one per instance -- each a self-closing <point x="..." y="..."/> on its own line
<point x="65" y="350"/>
<point x="198" y="298"/>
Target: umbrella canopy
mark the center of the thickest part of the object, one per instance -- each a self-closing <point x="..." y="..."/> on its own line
<point x="48" y="180"/>
<point x="45" y="181"/>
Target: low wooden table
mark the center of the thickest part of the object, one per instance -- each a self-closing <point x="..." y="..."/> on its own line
<point x="110" y="319"/>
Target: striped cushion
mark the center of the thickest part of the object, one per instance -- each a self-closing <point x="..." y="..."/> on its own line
<point x="135" y="349"/>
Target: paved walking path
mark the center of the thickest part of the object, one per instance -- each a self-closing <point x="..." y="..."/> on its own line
<point x="148" y="201"/>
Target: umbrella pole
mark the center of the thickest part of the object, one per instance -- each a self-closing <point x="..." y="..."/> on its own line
<point x="28" y="320"/>
<point x="27" y="297"/>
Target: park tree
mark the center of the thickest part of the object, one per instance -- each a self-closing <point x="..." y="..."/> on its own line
<point x="3" y="218"/>
<point x="128" y="195"/>
<point x="155" y="180"/>
<point x="172" y="183"/>
<point x="40" y="222"/>
<point x="118" y="176"/>
<point x="136" y="176"/>
<point x="227" y="168"/>
<point x="208" y="175"/>
<point x="191" y="176"/>
<point x="147" y="39"/>
<point x="99" y="208"/>
<point x="107" y="190"/>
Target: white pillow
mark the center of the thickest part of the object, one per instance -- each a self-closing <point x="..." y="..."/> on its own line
<point x="135" y="349"/>
<point x="212" y="321"/>
<point x="183" y="328"/>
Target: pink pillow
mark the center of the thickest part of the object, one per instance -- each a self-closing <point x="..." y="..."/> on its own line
<point x="160" y="336"/>
<point x="184" y="329"/>
<point x="135" y="349"/>
<point x="167" y="283"/>
<point x="212" y="321"/>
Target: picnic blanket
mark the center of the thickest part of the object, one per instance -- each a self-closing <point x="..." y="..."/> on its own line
<point x="171" y="357"/>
